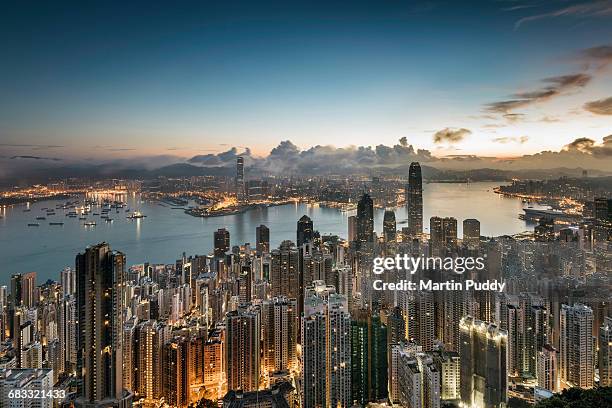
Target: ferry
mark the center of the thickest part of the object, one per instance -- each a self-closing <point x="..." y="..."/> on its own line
<point x="136" y="214"/>
<point x="90" y="224"/>
<point x="33" y="224"/>
<point x="41" y="218"/>
<point x="109" y="220"/>
<point x="56" y="223"/>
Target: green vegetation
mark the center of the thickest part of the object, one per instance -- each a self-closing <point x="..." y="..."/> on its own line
<point x="579" y="398"/>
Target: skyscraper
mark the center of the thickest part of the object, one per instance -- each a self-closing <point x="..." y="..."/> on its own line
<point x="284" y="276"/>
<point x="443" y="235"/>
<point x="471" y="233"/>
<point x="240" y="185"/>
<point x="365" y="219"/>
<point x="576" y="345"/>
<point x="547" y="369"/>
<point x="222" y="242"/>
<point x="243" y="332"/>
<point x="280" y="327"/>
<point x="414" y="199"/>
<point x="101" y="280"/>
<point x="304" y="230"/>
<point x="352" y="228"/>
<point x="605" y="353"/>
<point x="389" y="226"/>
<point x="262" y="239"/>
<point x="483" y="363"/>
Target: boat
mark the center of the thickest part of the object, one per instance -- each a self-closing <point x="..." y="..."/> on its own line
<point x="56" y="223"/>
<point x="96" y="214"/>
<point x="41" y="218"/>
<point x="27" y="210"/>
<point x="135" y="215"/>
<point x="109" y="220"/>
<point x="33" y="224"/>
<point x="90" y="224"/>
<point x="82" y="218"/>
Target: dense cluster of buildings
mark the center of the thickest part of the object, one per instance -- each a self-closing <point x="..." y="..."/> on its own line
<point x="300" y="325"/>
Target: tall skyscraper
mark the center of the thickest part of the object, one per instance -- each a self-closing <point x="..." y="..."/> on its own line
<point x="284" y="272"/>
<point x="365" y="219"/>
<point x="326" y="348"/>
<point x="352" y="228"/>
<point x="389" y="226"/>
<point x="280" y="330"/>
<point x="605" y="353"/>
<point x="240" y="184"/>
<point x="483" y="363"/>
<point x="415" y="378"/>
<point x="222" y="242"/>
<point x="101" y="280"/>
<point x="414" y="199"/>
<point x="243" y="332"/>
<point x="262" y="239"/>
<point x="547" y="372"/>
<point x="304" y="230"/>
<point x="443" y="235"/>
<point x="471" y="233"/>
<point x="68" y="281"/>
<point x="576" y="345"/>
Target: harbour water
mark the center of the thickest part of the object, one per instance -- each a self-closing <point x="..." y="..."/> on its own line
<point x="166" y="233"/>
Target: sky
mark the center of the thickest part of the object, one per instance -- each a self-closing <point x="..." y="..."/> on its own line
<point x="118" y="80"/>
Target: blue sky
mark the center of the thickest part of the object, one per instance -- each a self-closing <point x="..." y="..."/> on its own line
<point x="139" y="78"/>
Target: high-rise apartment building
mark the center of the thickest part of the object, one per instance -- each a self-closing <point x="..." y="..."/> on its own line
<point x="471" y="233"/>
<point x="279" y="322"/>
<point x="243" y="335"/>
<point x="305" y="230"/>
<point x="605" y="353"/>
<point x="576" y="354"/>
<point x="389" y="226"/>
<point x="222" y="242"/>
<point x="547" y="371"/>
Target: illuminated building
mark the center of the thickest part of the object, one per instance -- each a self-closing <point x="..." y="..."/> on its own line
<point x="448" y="364"/>
<point x="365" y="219"/>
<point x="284" y="279"/>
<point x="545" y="230"/>
<point x="304" y="230"/>
<point x="100" y="283"/>
<point x="471" y="233"/>
<point x="280" y="326"/>
<point x="222" y="242"/>
<point x="26" y="380"/>
<point x="415" y="379"/>
<point x="352" y="228"/>
<point x="576" y="345"/>
<point x="483" y="363"/>
<point x="414" y="200"/>
<point x="213" y="366"/>
<point x="326" y="348"/>
<point x="389" y="226"/>
<point x="242" y="351"/>
<point x="368" y="358"/>
<point x="175" y="385"/>
<point x="605" y="353"/>
<point x="240" y="185"/>
<point x="262" y="239"/>
<point x="547" y="371"/>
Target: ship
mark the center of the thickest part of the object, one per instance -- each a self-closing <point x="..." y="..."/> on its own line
<point x="56" y="223"/>
<point x="136" y="214"/>
<point x="90" y="224"/>
<point x="41" y="218"/>
<point x="33" y="224"/>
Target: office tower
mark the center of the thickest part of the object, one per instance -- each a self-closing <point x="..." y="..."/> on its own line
<point x="449" y="226"/>
<point x="304" y="230"/>
<point x="414" y="199"/>
<point x="352" y="228"/>
<point x="365" y="219"/>
<point x="605" y="353"/>
<point x="318" y="266"/>
<point x="443" y="235"/>
<point x="68" y="312"/>
<point x="243" y="332"/>
<point x="279" y="322"/>
<point x="326" y="348"/>
<point x="240" y="185"/>
<point x="368" y="358"/>
<point x="389" y="226"/>
<point x="471" y="233"/>
<point x="419" y="312"/>
<point x="175" y="385"/>
<point x="101" y="280"/>
<point x="262" y="239"/>
<point x="545" y="230"/>
<point x="483" y="363"/>
<point x="547" y="372"/>
<point x="32" y="380"/>
<point x="222" y="242"/>
<point x="68" y="281"/>
<point x="576" y="345"/>
<point x="284" y="271"/>
<point x="415" y="378"/>
<point x="23" y="289"/>
<point x="396" y="326"/>
<point x="448" y="364"/>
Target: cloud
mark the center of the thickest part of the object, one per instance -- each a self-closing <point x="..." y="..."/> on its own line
<point x="556" y="86"/>
<point x="32" y="146"/>
<point x="596" y="57"/>
<point x="34" y="158"/>
<point x="505" y="139"/>
<point x="451" y="135"/>
<point x="226" y="158"/>
<point x="598" y="8"/>
<point x="589" y="146"/>
<point x="514" y="117"/>
<point x="600" y="107"/>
